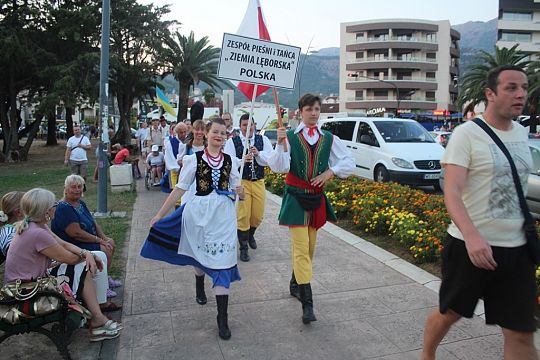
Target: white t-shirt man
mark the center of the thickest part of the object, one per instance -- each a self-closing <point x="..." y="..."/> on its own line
<point x="77" y="153"/>
<point x="490" y="195"/>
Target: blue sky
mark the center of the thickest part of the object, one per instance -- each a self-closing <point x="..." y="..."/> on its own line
<point x="296" y="22"/>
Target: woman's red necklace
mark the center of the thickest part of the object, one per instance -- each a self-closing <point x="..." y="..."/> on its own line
<point x="213" y="161"/>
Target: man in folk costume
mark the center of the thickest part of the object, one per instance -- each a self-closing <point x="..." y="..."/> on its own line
<point x="251" y="210"/>
<point x="312" y="157"/>
<point x="174" y="145"/>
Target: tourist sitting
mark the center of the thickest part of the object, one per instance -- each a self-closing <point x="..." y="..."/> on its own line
<point x="74" y="224"/>
<point x="123" y="157"/>
<point x="34" y="246"/>
<point x="155" y="162"/>
<point x="10" y="213"/>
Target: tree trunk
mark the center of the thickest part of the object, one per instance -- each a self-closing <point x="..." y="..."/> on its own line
<point x="51" y="129"/>
<point x="123" y="135"/>
<point x="14" y="129"/>
<point x="4" y="121"/>
<point x="183" y="100"/>
<point x="69" y="122"/>
<point x="34" y="128"/>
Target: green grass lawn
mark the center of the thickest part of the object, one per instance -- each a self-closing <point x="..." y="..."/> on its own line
<point x="45" y="168"/>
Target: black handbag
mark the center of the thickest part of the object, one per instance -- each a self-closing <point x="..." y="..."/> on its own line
<point x="531" y="234"/>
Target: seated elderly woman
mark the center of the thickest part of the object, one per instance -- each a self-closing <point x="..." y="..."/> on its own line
<point x="33" y="248"/>
<point x="74" y="224"/>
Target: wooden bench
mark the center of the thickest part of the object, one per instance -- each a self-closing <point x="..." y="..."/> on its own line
<point x="64" y="323"/>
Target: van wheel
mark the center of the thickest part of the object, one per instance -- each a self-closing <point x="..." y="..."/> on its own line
<point x="381" y="174"/>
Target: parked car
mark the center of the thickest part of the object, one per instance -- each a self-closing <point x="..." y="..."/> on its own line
<point x="385" y="149"/>
<point x="441" y="137"/>
<point x="271" y="134"/>
<point x="533" y="184"/>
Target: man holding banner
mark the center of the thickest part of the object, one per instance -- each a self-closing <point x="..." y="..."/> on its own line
<point x="314" y="156"/>
<point x="251" y="210"/>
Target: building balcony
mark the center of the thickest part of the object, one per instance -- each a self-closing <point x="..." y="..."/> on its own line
<point x="528" y="47"/>
<point x="389" y="103"/>
<point x="408" y="82"/>
<point x="407" y="59"/>
<point x="422" y="64"/>
<point x="394" y="42"/>
<point x="512" y="25"/>
<point x="454" y="52"/>
<point x="398" y="39"/>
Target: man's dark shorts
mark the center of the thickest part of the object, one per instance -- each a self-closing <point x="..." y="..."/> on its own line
<point x="509" y="292"/>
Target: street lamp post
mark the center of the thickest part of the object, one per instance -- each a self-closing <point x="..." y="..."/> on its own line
<point x="356" y="75"/>
<point x="103" y="109"/>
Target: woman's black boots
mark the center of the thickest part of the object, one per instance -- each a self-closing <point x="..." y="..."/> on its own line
<point x="306" y="298"/>
<point x="222" y="323"/>
<point x="243" y="237"/>
<point x="293" y="287"/>
<point x="200" y="295"/>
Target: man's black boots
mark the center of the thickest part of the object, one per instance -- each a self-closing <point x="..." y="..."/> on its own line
<point x="293" y="287"/>
<point x="243" y="237"/>
<point x="200" y="295"/>
<point x="222" y="323"/>
<point x="251" y="240"/>
<point x="307" y="303"/>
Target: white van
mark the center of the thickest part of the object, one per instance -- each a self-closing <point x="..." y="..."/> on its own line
<point x="385" y="149"/>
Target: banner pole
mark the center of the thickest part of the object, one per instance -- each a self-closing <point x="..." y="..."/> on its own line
<point x="246" y="149"/>
<point x="279" y="119"/>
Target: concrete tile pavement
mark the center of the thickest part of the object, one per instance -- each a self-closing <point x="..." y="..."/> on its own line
<point x="366" y="308"/>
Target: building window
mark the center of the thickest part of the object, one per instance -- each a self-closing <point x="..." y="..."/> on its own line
<point x="430" y="75"/>
<point x="360" y="55"/>
<point x="431" y="37"/>
<point x="380" y="56"/>
<point x="380" y="94"/>
<point x="430" y="95"/>
<point x="359" y="95"/>
<point x="515" y="36"/>
<point x="359" y="35"/>
<point x="405" y="56"/>
<point x="431" y="56"/>
<point x="517" y="16"/>
<point x="407" y="75"/>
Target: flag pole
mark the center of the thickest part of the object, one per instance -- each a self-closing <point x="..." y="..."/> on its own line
<point x="246" y="149"/>
<point x="279" y="119"/>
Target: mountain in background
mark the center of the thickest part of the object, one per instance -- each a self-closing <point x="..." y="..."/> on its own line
<point x="320" y="70"/>
<point x="475" y="36"/>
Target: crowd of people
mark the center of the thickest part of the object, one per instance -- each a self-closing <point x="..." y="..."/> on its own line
<point x="216" y="203"/>
<point x="41" y="237"/>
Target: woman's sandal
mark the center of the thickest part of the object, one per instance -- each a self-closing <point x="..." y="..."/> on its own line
<point x="110" y="306"/>
<point x="109" y="330"/>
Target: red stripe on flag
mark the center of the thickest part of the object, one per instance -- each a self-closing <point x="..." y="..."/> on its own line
<point x="263" y="31"/>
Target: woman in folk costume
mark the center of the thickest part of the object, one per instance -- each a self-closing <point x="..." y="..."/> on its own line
<point x="202" y="232"/>
<point x="313" y="157"/>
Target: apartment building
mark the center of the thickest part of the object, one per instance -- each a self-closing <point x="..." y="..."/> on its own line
<point x="519" y="23"/>
<point x="398" y="66"/>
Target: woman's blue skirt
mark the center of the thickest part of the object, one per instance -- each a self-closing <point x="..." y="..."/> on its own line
<point x="162" y="244"/>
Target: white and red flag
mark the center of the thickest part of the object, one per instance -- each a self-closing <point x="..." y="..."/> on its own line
<point x="253" y="26"/>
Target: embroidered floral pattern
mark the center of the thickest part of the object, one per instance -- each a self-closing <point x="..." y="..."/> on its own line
<point x="217" y="248"/>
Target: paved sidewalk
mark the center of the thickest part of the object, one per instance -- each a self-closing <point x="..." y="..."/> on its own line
<point x="365" y="308"/>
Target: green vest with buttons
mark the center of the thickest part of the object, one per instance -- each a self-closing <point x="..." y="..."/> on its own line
<point x="306" y="163"/>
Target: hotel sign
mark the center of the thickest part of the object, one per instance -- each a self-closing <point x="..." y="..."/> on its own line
<point x="376" y="111"/>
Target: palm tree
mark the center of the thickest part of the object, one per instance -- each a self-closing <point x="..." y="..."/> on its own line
<point x="474" y="82"/>
<point x="190" y="61"/>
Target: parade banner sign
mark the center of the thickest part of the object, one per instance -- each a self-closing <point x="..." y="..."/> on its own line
<point x="257" y="61"/>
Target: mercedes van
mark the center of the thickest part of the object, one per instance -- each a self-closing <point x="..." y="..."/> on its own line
<point x="385" y="149"/>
